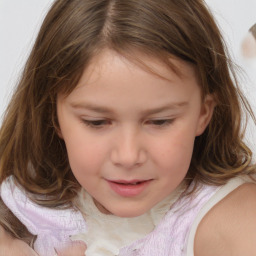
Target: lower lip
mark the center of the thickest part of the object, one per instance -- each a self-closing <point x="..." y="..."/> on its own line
<point x="129" y="190"/>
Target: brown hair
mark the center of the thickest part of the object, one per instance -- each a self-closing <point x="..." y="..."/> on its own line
<point x="73" y="32"/>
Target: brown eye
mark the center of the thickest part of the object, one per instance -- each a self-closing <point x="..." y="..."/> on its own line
<point x="160" y="122"/>
<point x="96" y="123"/>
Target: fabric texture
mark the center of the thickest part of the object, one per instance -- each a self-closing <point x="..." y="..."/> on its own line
<point x="52" y="227"/>
<point x="169" y="237"/>
<point x="107" y="234"/>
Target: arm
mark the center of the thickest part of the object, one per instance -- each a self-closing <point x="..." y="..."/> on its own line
<point x="13" y="247"/>
<point x="76" y="249"/>
<point x="230" y="227"/>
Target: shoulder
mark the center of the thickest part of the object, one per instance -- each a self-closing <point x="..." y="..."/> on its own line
<point x="229" y="228"/>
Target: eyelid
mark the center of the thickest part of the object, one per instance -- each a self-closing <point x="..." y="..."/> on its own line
<point x="160" y="121"/>
<point x="100" y="123"/>
<point x="96" y="123"/>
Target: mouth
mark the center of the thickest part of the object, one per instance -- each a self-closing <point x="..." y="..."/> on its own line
<point x="129" y="188"/>
<point x="132" y="182"/>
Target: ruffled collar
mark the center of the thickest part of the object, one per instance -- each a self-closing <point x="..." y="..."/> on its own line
<point x="107" y="234"/>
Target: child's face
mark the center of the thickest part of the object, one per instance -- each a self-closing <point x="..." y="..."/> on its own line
<point x="130" y="133"/>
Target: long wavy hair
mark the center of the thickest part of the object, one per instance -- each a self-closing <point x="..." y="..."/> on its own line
<point x="74" y="32"/>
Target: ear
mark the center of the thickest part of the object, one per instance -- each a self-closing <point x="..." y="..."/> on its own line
<point x="207" y="109"/>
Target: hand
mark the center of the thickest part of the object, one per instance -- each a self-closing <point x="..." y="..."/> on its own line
<point x="76" y="249"/>
<point x="13" y="247"/>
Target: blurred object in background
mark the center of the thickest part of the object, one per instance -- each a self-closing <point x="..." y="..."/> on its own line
<point x="248" y="48"/>
<point x="248" y="56"/>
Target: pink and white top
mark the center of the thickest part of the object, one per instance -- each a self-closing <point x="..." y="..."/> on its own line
<point x="172" y="235"/>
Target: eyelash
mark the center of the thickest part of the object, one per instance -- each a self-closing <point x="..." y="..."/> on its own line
<point x="160" y="122"/>
<point x="98" y="124"/>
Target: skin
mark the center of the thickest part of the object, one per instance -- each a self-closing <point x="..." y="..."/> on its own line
<point x="13" y="247"/>
<point x="127" y="143"/>
<point x="229" y="229"/>
<point x="76" y="249"/>
<point x="123" y="122"/>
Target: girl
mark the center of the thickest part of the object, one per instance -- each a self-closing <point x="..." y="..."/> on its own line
<point x="125" y="133"/>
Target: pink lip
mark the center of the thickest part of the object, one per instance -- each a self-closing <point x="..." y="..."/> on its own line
<point x="126" y="188"/>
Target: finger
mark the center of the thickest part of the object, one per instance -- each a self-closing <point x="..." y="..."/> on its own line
<point x="77" y="248"/>
<point x="17" y="251"/>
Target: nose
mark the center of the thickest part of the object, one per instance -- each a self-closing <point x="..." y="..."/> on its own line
<point x="128" y="151"/>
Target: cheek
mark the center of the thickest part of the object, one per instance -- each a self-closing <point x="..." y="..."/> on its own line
<point x="85" y="156"/>
<point x="174" y="153"/>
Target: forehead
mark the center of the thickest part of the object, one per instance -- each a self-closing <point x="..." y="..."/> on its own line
<point x="111" y="75"/>
<point x="166" y="69"/>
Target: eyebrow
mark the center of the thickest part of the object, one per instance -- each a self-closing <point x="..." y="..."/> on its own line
<point x="106" y="110"/>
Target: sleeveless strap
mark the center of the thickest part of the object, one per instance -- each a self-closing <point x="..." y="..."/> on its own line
<point x="216" y="198"/>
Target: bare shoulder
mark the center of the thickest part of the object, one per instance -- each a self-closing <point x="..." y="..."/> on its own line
<point x="229" y="228"/>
